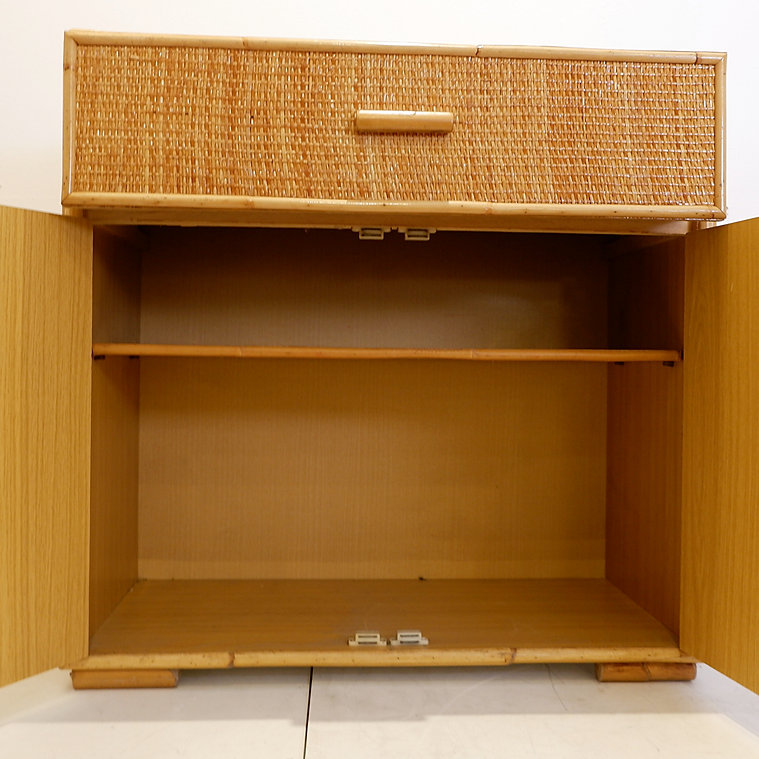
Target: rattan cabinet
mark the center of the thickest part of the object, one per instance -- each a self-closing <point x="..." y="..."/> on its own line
<point x="380" y="356"/>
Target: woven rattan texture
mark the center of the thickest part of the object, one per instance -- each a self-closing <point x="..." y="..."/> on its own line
<point x="281" y="124"/>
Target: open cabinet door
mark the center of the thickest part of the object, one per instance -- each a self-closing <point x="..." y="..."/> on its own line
<point x="45" y="347"/>
<point x="720" y="579"/>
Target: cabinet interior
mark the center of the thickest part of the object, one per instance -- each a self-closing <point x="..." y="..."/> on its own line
<point x="283" y="503"/>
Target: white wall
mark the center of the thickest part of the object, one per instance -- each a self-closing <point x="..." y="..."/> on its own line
<point x="31" y="33"/>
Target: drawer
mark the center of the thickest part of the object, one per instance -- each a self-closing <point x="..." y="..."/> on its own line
<point x="234" y="120"/>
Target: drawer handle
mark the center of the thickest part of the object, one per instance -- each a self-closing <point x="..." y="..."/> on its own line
<point x="404" y="121"/>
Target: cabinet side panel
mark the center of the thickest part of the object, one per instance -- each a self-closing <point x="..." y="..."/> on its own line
<point x="115" y="425"/>
<point x="116" y="286"/>
<point x="45" y="343"/>
<point x="113" y="514"/>
<point x="720" y="615"/>
<point x="644" y="490"/>
<point x="646" y="295"/>
<point x="644" y="487"/>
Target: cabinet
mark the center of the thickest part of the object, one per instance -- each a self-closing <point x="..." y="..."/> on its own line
<point x="238" y="442"/>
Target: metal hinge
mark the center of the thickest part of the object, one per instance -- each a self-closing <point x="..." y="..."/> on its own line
<point x="414" y="234"/>
<point x="371" y="233"/>
<point x="409" y="638"/>
<point x="367" y="638"/>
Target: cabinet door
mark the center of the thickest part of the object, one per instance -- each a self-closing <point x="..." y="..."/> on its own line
<point x="720" y="580"/>
<point x="45" y="346"/>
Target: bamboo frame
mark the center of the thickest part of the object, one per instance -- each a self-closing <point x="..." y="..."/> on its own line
<point x="69" y="112"/>
<point x="588" y="54"/>
<point x="86" y="37"/>
<point x="117" y="200"/>
<point x="382" y="657"/>
<point x="476" y="354"/>
<point x="360" y="211"/>
<point x="720" y="147"/>
<point x="312" y="219"/>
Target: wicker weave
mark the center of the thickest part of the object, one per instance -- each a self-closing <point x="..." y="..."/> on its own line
<point x="281" y="124"/>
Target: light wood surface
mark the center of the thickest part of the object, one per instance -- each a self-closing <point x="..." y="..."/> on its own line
<point x="322" y="288"/>
<point x="201" y="624"/>
<point x="86" y="37"/>
<point x="359" y="469"/>
<point x="45" y="334"/>
<point x="720" y="590"/>
<point x="124" y="678"/>
<point x="403" y="121"/>
<point x="645" y="432"/>
<point x="645" y="672"/>
<point x="483" y="354"/>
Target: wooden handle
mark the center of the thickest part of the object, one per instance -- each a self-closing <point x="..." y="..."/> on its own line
<point x="404" y="121"/>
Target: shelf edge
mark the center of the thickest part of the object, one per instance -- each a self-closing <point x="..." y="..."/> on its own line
<point x="456" y="354"/>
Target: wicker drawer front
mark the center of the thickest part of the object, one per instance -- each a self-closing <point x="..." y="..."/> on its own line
<point x="281" y="124"/>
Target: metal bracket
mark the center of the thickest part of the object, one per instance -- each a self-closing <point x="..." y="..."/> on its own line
<point x="409" y="638"/>
<point x="367" y="638"/>
<point x="371" y="233"/>
<point x="413" y="234"/>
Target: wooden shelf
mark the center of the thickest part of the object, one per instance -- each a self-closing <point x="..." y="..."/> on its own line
<point x="227" y="623"/>
<point x="464" y="354"/>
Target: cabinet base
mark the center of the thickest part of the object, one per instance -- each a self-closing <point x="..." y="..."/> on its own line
<point x="83" y="679"/>
<point x="641" y="672"/>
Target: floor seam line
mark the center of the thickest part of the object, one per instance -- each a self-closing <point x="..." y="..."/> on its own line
<point x="308" y="712"/>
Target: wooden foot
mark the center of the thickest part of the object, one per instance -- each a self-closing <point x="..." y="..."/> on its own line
<point x="641" y="672"/>
<point x="83" y="679"/>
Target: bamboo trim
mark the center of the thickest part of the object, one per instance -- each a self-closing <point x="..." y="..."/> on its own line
<point x="589" y="54"/>
<point x="720" y="148"/>
<point x="69" y="112"/>
<point x="86" y="37"/>
<point x="404" y="121"/>
<point x="442" y="222"/>
<point x="109" y="200"/>
<point x="306" y="352"/>
<point x="711" y="58"/>
<point x="382" y="657"/>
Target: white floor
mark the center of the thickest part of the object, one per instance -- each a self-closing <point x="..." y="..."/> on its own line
<point x="527" y="711"/>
